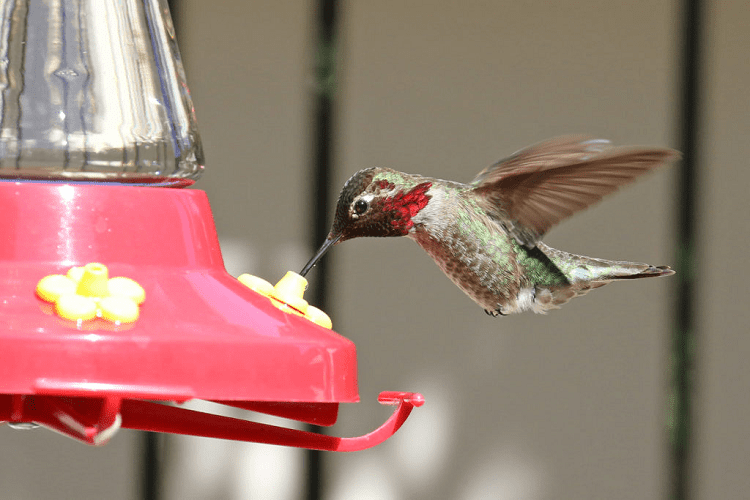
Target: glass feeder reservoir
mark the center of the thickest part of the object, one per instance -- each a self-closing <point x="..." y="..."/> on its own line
<point x="94" y="90"/>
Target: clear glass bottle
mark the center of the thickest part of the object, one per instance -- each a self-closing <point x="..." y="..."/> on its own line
<point x="94" y="90"/>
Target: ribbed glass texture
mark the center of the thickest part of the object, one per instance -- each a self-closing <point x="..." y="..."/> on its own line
<point x="94" y="90"/>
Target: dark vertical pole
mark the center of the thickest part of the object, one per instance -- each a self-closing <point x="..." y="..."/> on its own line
<point x="684" y="352"/>
<point x="325" y="80"/>
<point x="151" y="468"/>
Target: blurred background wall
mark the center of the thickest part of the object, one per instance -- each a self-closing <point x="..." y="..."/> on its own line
<point x="566" y="406"/>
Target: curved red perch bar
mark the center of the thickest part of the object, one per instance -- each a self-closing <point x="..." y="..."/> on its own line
<point x="94" y="421"/>
<point x="146" y="416"/>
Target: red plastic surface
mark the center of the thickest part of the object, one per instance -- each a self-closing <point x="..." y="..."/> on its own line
<point x="201" y="334"/>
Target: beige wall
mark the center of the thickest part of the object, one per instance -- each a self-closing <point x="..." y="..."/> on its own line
<point x="723" y="375"/>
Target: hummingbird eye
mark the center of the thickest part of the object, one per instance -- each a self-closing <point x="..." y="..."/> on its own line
<point x="360" y="207"/>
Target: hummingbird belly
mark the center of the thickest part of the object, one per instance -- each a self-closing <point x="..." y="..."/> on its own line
<point x="485" y="271"/>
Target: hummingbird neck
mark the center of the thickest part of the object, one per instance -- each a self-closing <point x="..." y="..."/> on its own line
<point x="444" y="204"/>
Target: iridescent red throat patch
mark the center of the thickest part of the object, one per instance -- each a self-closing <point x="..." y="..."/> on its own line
<point x="407" y="205"/>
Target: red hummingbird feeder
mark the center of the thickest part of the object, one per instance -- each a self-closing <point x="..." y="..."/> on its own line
<point x="113" y="292"/>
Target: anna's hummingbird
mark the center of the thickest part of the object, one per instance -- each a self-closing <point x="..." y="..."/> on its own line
<point x="486" y="235"/>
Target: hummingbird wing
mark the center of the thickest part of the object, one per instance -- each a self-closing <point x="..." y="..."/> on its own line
<point x="539" y="186"/>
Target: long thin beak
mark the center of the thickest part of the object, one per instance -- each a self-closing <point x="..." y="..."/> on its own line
<point x="321" y="251"/>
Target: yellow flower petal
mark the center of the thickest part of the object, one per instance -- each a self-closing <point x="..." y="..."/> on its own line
<point x="76" y="307"/>
<point x="51" y="287"/>
<point x="126" y="287"/>
<point x="256" y="284"/>
<point x="319" y="317"/>
<point x="119" y="309"/>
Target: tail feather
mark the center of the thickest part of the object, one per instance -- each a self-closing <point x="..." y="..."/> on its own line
<point x="649" y="272"/>
<point x="578" y="268"/>
<point x="586" y="273"/>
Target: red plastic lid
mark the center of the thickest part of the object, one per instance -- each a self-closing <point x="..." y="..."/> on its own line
<point x="200" y="334"/>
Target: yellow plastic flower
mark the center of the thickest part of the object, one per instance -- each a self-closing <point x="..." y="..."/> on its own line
<point x="86" y="293"/>
<point x="287" y="296"/>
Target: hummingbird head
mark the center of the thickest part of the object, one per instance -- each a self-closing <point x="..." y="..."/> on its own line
<point x="375" y="202"/>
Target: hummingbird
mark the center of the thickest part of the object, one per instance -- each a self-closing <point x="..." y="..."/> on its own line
<point x="486" y="235"/>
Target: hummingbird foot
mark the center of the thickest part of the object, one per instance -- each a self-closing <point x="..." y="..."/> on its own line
<point x="495" y="312"/>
